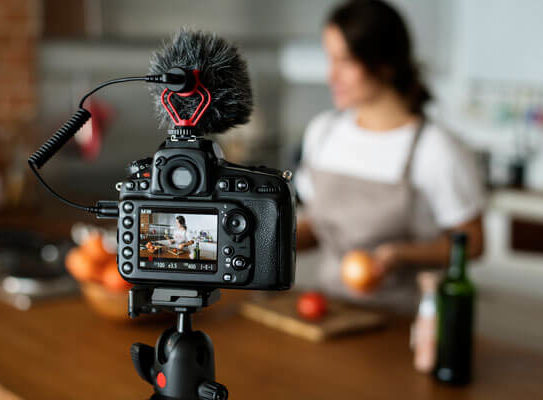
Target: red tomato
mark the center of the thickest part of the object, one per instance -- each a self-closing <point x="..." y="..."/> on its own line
<point x="312" y="306"/>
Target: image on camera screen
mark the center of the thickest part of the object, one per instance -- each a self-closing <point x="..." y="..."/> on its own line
<point x="178" y="240"/>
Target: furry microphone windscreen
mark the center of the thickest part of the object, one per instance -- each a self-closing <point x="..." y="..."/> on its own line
<point x="222" y="71"/>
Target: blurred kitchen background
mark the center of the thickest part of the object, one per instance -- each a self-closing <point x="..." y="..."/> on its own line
<point x="483" y="59"/>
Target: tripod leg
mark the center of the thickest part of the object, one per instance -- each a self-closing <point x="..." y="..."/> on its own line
<point x="143" y="357"/>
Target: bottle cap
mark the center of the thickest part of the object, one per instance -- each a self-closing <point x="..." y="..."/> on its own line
<point x="459" y="238"/>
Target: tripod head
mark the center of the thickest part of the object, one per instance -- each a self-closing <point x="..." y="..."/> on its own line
<point x="181" y="366"/>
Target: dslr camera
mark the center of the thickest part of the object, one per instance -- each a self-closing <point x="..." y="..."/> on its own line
<point x="186" y="217"/>
<point x="189" y="218"/>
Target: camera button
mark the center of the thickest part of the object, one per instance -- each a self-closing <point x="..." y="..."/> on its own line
<point x="223" y="185"/>
<point x="128" y="222"/>
<point x="239" y="263"/>
<point x="127" y="237"/>
<point x="144" y="185"/>
<point x="242" y="185"/>
<point x="227" y="277"/>
<point x="130" y="185"/>
<point x="228" y="260"/>
<point x="128" y="207"/>
<point x="128" y="252"/>
<point x="227" y="250"/>
<point x="127" y="268"/>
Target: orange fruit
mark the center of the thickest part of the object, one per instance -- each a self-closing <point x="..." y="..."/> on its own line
<point x="112" y="279"/>
<point x="94" y="248"/>
<point x="358" y="271"/>
<point x="81" y="266"/>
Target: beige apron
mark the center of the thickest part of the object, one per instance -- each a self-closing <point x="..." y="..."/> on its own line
<point x="349" y="213"/>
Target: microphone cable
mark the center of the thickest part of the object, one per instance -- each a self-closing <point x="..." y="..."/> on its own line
<point x="74" y="124"/>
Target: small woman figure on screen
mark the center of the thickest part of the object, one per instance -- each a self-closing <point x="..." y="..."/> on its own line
<point x="180" y="236"/>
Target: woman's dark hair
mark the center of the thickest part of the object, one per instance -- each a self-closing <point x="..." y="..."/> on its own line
<point x="377" y="36"/>
<point x="181" y="220"/>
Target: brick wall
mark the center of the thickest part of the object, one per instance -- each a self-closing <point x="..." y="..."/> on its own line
<point x="19" y="34"/>
<point x="19" y="29"/>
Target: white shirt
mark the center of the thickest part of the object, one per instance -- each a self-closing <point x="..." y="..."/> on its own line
<point x="444" y="173"/>
<point x="181" y="236"/>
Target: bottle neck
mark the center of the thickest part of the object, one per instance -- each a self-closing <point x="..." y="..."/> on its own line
<point x="457" y="267"/>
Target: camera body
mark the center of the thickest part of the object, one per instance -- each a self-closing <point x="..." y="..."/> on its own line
<point x="189" y="218"/>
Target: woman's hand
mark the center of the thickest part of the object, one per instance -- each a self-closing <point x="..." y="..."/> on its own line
<point x="386" y="257"/>
<point x="305" y="237"/>
<point x="433" y="252"/>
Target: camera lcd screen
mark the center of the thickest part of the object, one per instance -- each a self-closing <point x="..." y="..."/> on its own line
<point x="178" y="240"/>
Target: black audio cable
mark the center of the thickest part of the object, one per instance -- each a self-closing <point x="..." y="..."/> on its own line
<point x="75" y="123"/>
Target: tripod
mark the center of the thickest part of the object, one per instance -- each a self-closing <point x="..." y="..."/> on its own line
<point x="181" y="366"/>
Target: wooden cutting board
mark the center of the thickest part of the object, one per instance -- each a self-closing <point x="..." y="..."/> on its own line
<point x="7" y="395"/>
<point x="279" y="312"/>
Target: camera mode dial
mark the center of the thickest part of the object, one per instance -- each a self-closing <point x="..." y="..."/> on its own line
<point x="139" y="168"/>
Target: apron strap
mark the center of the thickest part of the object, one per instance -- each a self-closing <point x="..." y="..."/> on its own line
<point x="412" y="148"/>
<point x="324" y="135"/>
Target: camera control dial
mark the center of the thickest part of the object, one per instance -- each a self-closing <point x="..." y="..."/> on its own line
<point x="236" y="223"/>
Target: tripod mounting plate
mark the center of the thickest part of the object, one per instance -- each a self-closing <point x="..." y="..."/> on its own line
<point x="150" y="300"/>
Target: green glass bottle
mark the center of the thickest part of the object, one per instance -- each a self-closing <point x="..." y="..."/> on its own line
<point x="455" y="314"/>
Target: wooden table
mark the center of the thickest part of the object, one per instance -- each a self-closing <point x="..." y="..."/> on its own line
<point x="61" y="350"/>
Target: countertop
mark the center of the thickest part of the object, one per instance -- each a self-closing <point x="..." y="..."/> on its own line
<point x="61" y="350"/>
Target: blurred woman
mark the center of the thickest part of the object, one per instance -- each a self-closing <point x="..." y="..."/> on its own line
<point x="376" y="174"/>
